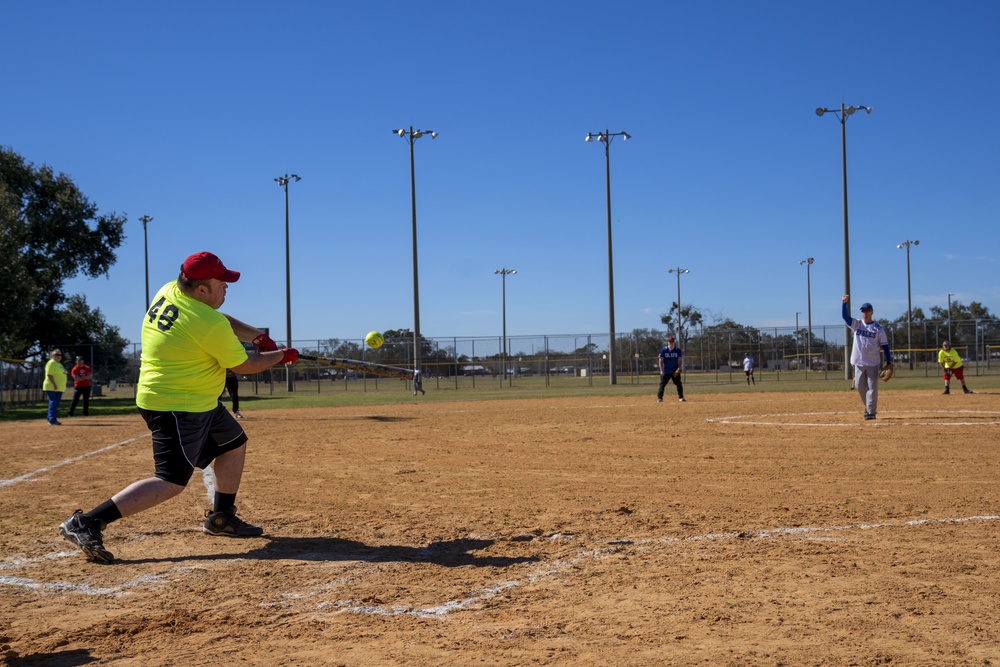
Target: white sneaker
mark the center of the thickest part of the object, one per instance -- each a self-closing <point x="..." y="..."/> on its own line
<point x="238" y="415"/>
<point x="683" y="401"/>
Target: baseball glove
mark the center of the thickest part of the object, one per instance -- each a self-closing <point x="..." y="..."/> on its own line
<point x="886" y="373"/>
<point x="677" y="373"/>
<point x="947" y="374"/>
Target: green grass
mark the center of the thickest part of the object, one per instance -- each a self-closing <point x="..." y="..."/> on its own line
<point x="327" y="394"/>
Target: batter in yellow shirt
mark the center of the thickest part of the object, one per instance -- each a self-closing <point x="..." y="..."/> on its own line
<point x="186" y="348"/>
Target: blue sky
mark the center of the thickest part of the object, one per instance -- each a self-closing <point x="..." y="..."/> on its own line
<point x="186" y="111"/>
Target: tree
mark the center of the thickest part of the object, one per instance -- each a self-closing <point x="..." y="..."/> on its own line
<point x="959" y="312"/>
<point x="916" y="316"/>
<point x="49" y="233"/>
<point x="88" y="335"/>
<point x="689" y="317"/>
<point x="726" y="340"/>
<point x="648" y="342"/>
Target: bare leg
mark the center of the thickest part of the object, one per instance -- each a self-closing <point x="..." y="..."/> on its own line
<point x="229" y="470"/>
<point x="144" y="494"/>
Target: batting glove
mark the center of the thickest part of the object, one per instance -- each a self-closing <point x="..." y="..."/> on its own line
<point x="264" y="343"/>
<point x="290" y="355"/>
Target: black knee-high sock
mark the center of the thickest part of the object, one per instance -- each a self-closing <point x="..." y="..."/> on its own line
<point x="224" y="502"/>
<point x="106" y="512"/>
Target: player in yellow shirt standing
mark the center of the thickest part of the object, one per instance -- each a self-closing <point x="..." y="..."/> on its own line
<point x="951" y="365"/>
<point x="54" y="385"/>
<point x="187" y="345"/>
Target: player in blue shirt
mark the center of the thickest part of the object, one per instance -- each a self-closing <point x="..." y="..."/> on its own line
<point x="671" y="365"/>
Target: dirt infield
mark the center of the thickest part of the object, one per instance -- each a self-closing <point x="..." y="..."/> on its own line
<point x="750" y="528"/>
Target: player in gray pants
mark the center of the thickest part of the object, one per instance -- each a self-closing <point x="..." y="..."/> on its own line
<point x="869" y="337"/>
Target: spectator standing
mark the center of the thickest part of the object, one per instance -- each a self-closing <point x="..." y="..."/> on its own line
<point x="82" y="375"/>
<point x="54" y="385"/>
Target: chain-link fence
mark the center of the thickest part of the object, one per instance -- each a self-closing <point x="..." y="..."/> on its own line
<point x="20" y="383"/>
<point x="711" y="355"/>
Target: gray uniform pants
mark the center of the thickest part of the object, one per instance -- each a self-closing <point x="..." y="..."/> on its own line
<point x="866" y="382"/>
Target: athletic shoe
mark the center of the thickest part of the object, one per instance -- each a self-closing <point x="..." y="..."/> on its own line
<point x="659" y="400"/>
<point x="238" y="415"/>
<point x="869" y="415"/>
<point x="227" y="524"/>
<point x="947" y="390"/>
<point x="966" y="390"/>
<point x="85" y="533"/>
<point x="682" y="399"/>
<point x="55" y="423"/>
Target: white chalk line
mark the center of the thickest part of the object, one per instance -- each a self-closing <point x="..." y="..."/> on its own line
<point x="20" y="561"/>
<point x="480" y="595"/>
<point x="477" y="597"/>
<point x="86" y="589"/>
<point x="755" y="420"/>
<point x="208" y="479"/>
<point x="551" y="569"/>
<point x="25" y="477"/>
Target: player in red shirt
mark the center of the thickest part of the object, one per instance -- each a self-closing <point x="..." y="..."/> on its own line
<point x="81" y="374"/>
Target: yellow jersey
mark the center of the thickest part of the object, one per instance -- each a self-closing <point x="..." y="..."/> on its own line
<point x="186" y="348"/>
<point x="950" y="359"/>
<point x="58" y="373"/>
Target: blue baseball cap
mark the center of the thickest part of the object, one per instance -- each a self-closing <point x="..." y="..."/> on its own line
<point x="867" y="306"/>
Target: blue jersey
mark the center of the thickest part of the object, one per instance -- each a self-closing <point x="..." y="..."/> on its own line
<point x="670" y="360"/>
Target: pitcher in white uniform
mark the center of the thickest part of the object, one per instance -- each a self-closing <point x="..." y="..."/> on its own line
<point x="869" y="337"/>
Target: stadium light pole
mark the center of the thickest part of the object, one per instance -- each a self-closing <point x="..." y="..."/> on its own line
<point x="909" y="301"/>
<point x="283" y="181"/>
<point x="503" y="281"/>
<point x="679" y="271"/>
<point x="808" y="261"/>
<point x="949" y="316"/>
<point x="411" y="136"/>
<point x="843" y="113"/>
<point x="606" y="138"/>
<point x="797" y="313"/>
<point x="146" y="219"/>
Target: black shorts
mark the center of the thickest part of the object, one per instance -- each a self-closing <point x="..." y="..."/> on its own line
<point x="183" y="441"/>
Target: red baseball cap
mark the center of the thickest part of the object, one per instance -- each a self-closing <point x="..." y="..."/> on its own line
<point x="205" y="265"/>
